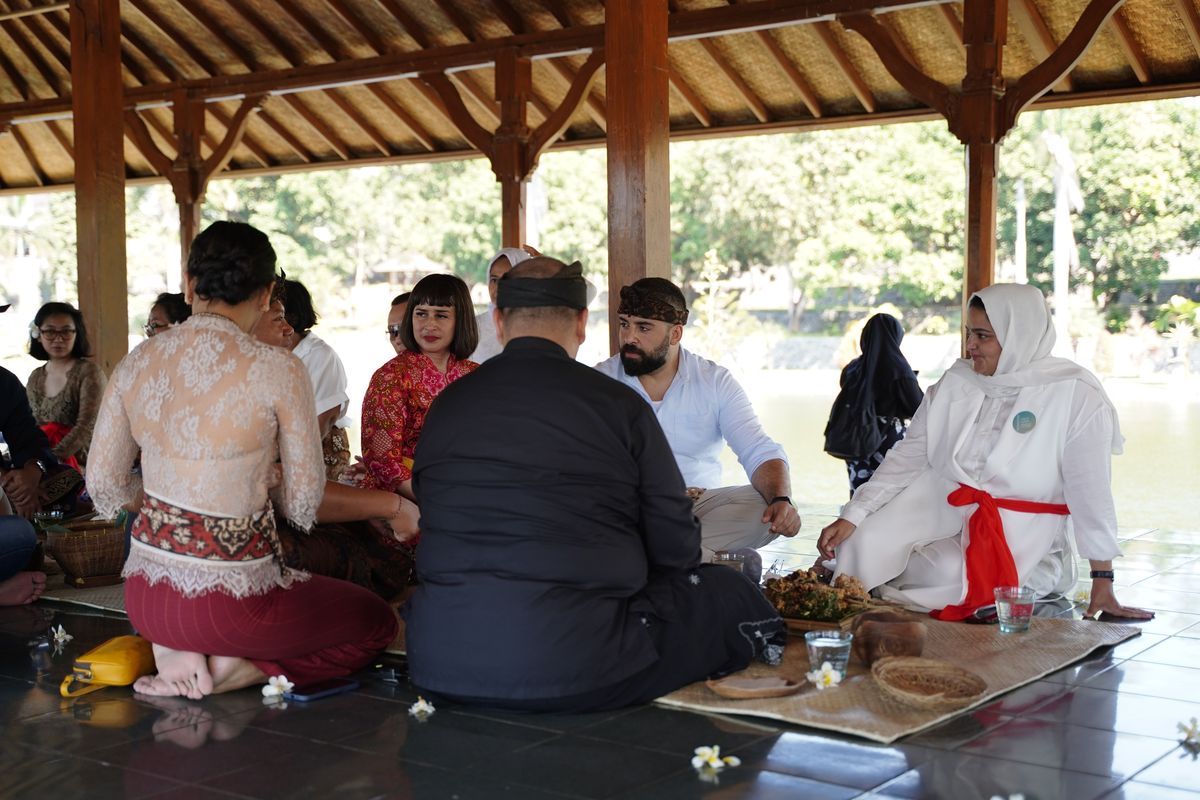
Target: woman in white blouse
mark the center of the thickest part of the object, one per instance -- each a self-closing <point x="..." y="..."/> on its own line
<point x="226" y="426"/>
<point x="1007" y="456"/>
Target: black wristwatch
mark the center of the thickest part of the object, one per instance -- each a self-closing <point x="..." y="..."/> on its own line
<point x="1106" y="574"/>
<point x="782" y="497"/>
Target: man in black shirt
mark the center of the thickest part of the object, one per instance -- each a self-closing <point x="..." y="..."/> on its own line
<point x="559" y="561"/>
<point x="28" y="451"/>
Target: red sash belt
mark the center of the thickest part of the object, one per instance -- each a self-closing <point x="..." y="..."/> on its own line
<point x="989" y="561"/>
<point x="56" y="432"/>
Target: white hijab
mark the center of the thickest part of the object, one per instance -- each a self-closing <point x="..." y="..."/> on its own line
<point x="1025" y="330"/>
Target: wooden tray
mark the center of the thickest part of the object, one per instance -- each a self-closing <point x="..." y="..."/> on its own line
<point x="742" y="687"/>
<point x="801" y="626"/>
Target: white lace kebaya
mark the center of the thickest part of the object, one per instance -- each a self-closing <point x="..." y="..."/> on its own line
<point x="224" y="423"/>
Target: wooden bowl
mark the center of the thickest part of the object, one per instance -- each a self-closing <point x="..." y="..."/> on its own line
<point x="880" y="634"/>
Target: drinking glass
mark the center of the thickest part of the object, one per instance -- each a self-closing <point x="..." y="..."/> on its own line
<point x="831" y="646"/>
<point x="1014" y="608"/>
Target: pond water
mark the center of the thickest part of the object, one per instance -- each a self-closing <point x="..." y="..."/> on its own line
<point x="1156" y="481"/>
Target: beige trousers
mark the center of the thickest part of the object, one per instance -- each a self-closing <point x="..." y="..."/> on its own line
<point x="731" y="518"/>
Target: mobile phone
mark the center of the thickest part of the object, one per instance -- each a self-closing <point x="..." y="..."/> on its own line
<point x="315" y="691"/>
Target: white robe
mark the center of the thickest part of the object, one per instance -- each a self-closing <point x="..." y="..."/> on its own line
<point x="909" y="541"/>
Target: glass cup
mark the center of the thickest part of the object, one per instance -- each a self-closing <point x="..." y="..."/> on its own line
<point x="1014" y="608"/>
<point x="733" y="560"/>
<point x="832" y="646"/>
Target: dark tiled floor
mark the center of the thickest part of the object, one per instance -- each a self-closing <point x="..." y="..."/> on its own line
<point x="1104" y="727"/>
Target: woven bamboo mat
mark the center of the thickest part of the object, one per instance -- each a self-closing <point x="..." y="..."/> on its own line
<point x="858" y="708"/>
<point x="108" y="598"/>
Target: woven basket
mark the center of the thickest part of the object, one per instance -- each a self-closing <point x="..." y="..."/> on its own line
<point x="926" y="683"/>
<point x="91" y="552"/>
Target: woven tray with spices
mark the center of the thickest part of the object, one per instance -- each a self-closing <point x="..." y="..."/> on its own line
<point x="807" y="603"/>
<point x="927" y="683"/>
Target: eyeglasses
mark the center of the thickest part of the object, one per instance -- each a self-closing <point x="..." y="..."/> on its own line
<point x="393" y="331"/>
<point x="58" y="334"/>
<point x="152" y="328"/>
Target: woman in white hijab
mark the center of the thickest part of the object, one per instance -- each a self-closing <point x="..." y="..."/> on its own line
<point x="1006" y="458"/>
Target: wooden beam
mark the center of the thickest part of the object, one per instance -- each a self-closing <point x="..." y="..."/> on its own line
<point x="807" y="95"/>
<point x="690" y="98"/>
<point x="18" y="13"/>
<point x="235" y="130"/>
<point x="61" y="138"/>
<point x="378" y="139"/>
<point x="19" y="32"/>
<point x="760" y="15"/>
<point x="845" y="66"/>
<point x="559" y="10"/>
<point x="408" y="22"/>
<point x="478" y="94"/>
<point x="406" y="119"/>
<point x="369" y="34"/>
<point x="593" y="104"/>
<point x="139" y="134"/>
<point x="1037" y="35"/>
<point x="757" y="107"/>
<point x="953" y="23"/>
<point x="39" y="174"/>
<point x="452" y="101"/>
<point x="180" y="37"/>
<point x="1129" y="46"/>
<point x="509" y="16"/>
<point x="930" y="92"/>
<point x="509" y="152"/>
<point x="317" y="124"/>
<point x="1035" y="83"/>
<point x="100" y="175"/>
<point x="639" y="191"/>
<point x="1191" y="21"/>
<point x="554" y="126"/>
<point x="457" y="18"/>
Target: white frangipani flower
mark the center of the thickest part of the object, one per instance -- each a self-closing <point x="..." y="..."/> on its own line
<point x="421" y="709"/>
<point x="826" y="677"/>
<point x="277" y="687"/>
<point x="1191" y="732"/>
<point x="61" y="636"/>
<point x="710" y="758"/>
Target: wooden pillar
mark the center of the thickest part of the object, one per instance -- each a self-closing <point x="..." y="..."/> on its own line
<point x="188" y="180"/>
<point x="639" y="191"/>
<point x="509" y="145"/>
<point x="985" y="23"/>
<point x="97" y="99"/>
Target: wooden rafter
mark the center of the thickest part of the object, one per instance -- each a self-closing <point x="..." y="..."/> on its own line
<point x="1033" y="84"/>
<point x="457" y="18"/>
<point x="137" y="132"/>
<point x="354" y="115"/>
<point x="690" y="98"/>
<point x="900" y="65"/>
<point x="557" y="122"/>
<point x="452" y="101"/>
<point x="845" y="66"/>
<point x="1191" y="21"/>
<point x="592" y="104"/>
<point x="16" y="31"/>
<point x="558" y="9"/>
<point x="17" y="79"/>
<point x="735" y="79"/>
<point x="478" y="94"/>
<point x="39" y="174"/>
<point x="408" y="22"/>
<point x="953" y="23"/>
<point x="802" y="87"/>
<point x="509" y="16"/>
<point x="369" y="34"/>
<point x="198" y="56"/>
<point x="1129" y="46"/>
<point x="327" y="134"/>
<point x="61" y="138"/>
<point x="762" y="14"/>
<point x="401" y="113"/>
<point x="1037" y="35"/>
<point x="58" y="46"/>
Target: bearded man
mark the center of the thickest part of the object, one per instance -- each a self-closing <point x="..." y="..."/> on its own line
<point x="701" y="408"/>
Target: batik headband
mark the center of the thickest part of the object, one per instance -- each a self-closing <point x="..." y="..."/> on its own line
<point x="567" y="288"/>
<point x="647" y="303"/>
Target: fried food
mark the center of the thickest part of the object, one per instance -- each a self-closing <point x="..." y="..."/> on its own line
<point x="802" y="595"/>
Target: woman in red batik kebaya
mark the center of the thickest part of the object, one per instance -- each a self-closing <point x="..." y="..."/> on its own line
<point x="227" y="431"/>
<point x="438" y="333"/>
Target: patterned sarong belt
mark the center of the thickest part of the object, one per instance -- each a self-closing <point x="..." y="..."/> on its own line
<point x="197" y="553"/>
<point x="989" y="561"/>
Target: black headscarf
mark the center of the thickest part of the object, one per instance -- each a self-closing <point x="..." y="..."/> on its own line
<point x="892" y="386"/>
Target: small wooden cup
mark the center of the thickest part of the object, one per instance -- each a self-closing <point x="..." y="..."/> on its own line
<point x="880" y="634"/>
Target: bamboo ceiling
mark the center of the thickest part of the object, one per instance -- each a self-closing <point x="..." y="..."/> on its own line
<point x="344" y="87"/>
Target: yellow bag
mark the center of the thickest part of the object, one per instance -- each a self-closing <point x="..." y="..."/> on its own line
<point x="118" y="662"/>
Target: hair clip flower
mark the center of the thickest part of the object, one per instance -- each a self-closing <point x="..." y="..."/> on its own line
<point x="826" y="677"/>
<point x="422" y="709"/>
<point x="275" y="688"/>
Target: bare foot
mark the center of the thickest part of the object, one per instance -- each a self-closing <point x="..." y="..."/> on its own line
<point x="180" y="674"/>
<point x="230" y="673"/>
<point x="22" y="588"/>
